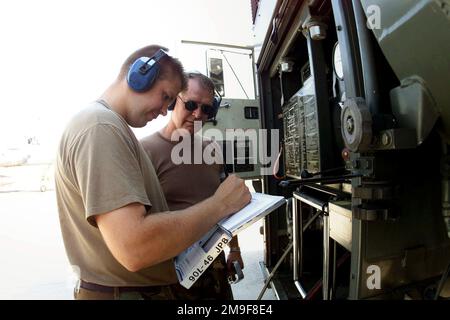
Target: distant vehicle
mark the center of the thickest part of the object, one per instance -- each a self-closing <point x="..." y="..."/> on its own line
<point x="13" y="157"/>
<point x="47" y="179"/>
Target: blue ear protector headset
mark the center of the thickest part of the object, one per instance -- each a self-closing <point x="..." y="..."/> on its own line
<point x="144" y="71"/>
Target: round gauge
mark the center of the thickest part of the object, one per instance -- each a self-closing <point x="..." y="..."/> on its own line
<point x="337" y="62"/>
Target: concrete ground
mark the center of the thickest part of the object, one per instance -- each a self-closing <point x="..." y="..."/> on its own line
<point x="251" y="243"/>
<point x="33" y="264"/>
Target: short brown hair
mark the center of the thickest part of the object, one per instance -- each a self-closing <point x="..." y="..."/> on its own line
<point x="170" y="66"/>
<point x="204" y="81"/>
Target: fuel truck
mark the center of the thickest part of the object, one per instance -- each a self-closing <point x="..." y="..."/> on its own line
<point x="359" y="93"/>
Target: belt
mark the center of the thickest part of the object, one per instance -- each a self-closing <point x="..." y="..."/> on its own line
<point x="100" y="288"/>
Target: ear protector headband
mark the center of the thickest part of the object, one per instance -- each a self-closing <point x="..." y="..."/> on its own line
<point x="216" y="103"/>
<point x="144" y="71"/>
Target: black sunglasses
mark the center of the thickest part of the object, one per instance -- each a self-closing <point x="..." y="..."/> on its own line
<point x="192" y="105"/>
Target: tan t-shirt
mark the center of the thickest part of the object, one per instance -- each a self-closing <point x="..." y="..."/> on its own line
<point x="101" y="167"/>
<point x="183" y="184"/>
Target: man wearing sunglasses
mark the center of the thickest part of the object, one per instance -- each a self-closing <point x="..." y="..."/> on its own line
<point x="187" y="183"/>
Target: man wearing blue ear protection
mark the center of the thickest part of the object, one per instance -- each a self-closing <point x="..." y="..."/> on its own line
<point x="188" y="183"/>
<point x="118" y="231"/>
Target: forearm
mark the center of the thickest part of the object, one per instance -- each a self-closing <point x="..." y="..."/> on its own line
<point x="164" y="235"/>
<point x="138" y="240"/>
